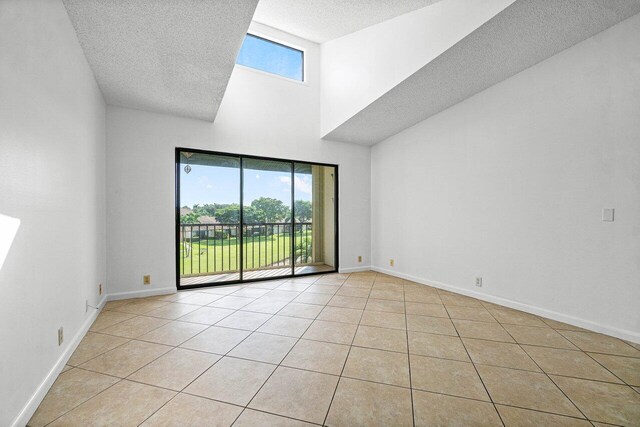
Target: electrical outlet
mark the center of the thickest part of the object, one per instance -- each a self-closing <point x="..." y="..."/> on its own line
<point x="359" y="258"/>
<point x="479" y="282"/>
<point x="391" y="262"/>
<point x="100" y="289"/>
<point x="146" y="279"/>
<point x="86" y="305"/>
<point x="60" y="336"/>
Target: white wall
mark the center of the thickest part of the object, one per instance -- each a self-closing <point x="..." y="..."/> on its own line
<point x="52" y="135"/>
<point x="510" y="184"/>
<point x="362" y="66"/>
<point x="262" y="115"/>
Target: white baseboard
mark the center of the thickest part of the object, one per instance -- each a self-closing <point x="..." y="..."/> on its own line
<point x="354" y="269"/>
<point x="539" y="311"/>
<point x="141" y="293"/>
<point x="30" y="408"/>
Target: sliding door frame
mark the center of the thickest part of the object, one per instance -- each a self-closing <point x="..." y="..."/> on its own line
<point x="241" y="158"/>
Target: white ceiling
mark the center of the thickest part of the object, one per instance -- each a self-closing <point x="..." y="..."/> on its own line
<point x="168" y="56"/>
<point x="322" y="20"/>
<point x="523" y="34"/>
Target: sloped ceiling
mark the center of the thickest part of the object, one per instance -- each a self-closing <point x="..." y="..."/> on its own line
<point x="520" y="36"/>
<point x="322" y="20"/>
<point x="168" y="56"/>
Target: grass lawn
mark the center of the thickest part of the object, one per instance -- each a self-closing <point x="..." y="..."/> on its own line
<point x="217" y="255"/>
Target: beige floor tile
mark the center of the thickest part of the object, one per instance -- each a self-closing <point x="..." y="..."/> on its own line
<point x="322" y="289"/>
<point x="175" y="369"/>
<point x="290" y="286"/>
<point x="340" y="333"/>
<point x="421" y="309"/>
<point x="381" y="338"/>
<point x="362" y="403"/>
<point x="482" y="330"/>
<point x="435" y="345"/>
<point x="287" y="326"/>
<point x="296" y="309"/>
<point x="435" y="325"/>
<point x="206" y="315"/>
<point x="281" y="295"/>
<point x="526" y="389"/>
<point x="264" y="348"/>
<point x="173" y="310"/>
<point x="93" y="345"/>
<point x="446" y="376"/>
<point x="422" y="297"/>
<point x="378" y="365"/>
<point x="221" y="290"/>
<point x="383" y="319"/>
<point x="192" y="411"/>
<point x="518" y="417"/>
<point x="347" y="302"/>
<point x="340" y="314"/>
<point x="625" y="368"/>
<point x="439" y="410"/>
<point x="604" y="402"/>
<point x="267" y="284"/>
<point x="598" y="343"/>
<point x="231" y="380"/>
<point x="109" y="318"/>
<point x="126" y="359"/>
<point x="266" y="305"/>
<point x="317" y="356"/>
<point x="562" y="326"/>
<point x="496" y="353"/>
<point x="358" y="284"/>
<point x="534" y="335"/>
<point x="297" y="394"/>
<point x="351" y="291"/>
<point x="252" y="418"/>
<point x="124" y="404"/>
<point x="216" y="340"/>
<point x="479" y="314"/>
<point x="451" y="299"/>
<point x="112" y="305"/>
<point x="250" y="292"/>
<point x="385" y="305"/>
<point x="515" y="317"/>
<point x="140" y="306"/>
<point x="173" y="333"/>
<point x="70" y="389"/>
<point x="66" y="368"/>
<point x="246" y="320"/>
<point x="200" y="298"/>
<point x="135" y="326"/>
<point x="177" y="296"/>
<point x="231" y="302"/>
<point x="395" y="295"/>
<point x="313" y="298"/>
<point x="569" y="363"/>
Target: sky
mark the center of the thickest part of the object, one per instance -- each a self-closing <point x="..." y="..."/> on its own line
<point x="212" y="184"/>
<point x="271" y="57"/>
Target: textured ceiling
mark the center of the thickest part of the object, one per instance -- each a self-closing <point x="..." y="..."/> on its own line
<point x="169" y="56"/>
<point x="520" y="36"/>
<point x="322" y="20"/>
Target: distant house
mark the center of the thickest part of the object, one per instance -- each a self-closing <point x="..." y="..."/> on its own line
<point x="185" y="211"/>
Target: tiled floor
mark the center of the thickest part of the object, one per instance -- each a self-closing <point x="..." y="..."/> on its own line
<point x="364" y="349"/>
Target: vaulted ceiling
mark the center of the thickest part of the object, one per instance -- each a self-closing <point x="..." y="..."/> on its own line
<point x="322" y="20"/>
<point x="166" y="56"/>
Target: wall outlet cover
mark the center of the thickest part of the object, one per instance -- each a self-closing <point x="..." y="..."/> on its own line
<point x="479" y="282"/>
<point x="146" y="279"/>
<point x="607" y="214"/>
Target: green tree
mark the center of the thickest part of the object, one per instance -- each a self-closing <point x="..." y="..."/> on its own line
<point x="229" y="214"/>
<point x="303" y="210"/>
<point x="190" y="218"/>
<point x="253" y="215"/>
<point x="274" y="210"/>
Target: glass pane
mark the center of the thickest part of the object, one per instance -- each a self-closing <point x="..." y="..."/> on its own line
<point x="209" y="197"/>
<point x="271" y="57"/>
<point x="266" y="218"/>
<point x="315" y="225"/>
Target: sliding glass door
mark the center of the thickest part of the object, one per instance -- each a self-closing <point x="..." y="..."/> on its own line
<point x="242" y="218"/>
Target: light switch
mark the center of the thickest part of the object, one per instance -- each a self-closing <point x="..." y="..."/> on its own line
<point x="607" y="214"/>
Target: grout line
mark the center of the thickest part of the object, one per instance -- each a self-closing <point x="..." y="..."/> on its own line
<point x="406" y="322"/>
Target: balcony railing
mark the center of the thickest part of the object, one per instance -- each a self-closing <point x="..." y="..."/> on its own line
<point x="215" y="248"/>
